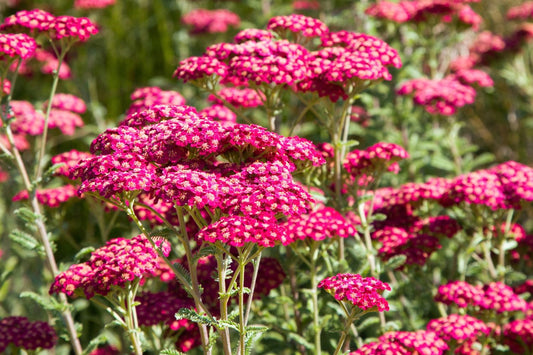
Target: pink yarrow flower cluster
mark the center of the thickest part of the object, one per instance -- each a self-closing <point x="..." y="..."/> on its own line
<point x="524" y="11"/>
<point x="117" y="263"/>
<point x="93" y="4"/>
<point x="238" y="97"/>
<point x="25" y="334"/>
<point x="422" y="10"/>
<point x="51" y="197"/>
<point x="343" y="60"/>
<point x="442" y="96"/>
<point x="419" y="342"/>
<point x="518" y="335"/>
<point x="146" y="97"/>
<point x="56" y="28"/>
<point x="323" y="223"/>
<point x="459" y="329"/>
<point x="365" y="293"/>
<point x="17" y="45"/>
<point x="494" y="296"/>
<point x="210" y="21"/>
<point x="363" y="164"/>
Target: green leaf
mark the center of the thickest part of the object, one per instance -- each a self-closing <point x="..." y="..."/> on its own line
<point x="27" y="215"/>
<point x="94" y="343"/>
<point x="205" y="251"/>
<point x="26" y="240"/>
<point x="183" y="272"/>
<point x="395" y="262"/>
<point x="83" y="254"/>
<point x="368" y="322"/>
<point x="193" y="316"/>
<point x="300" y="340"/>
<point x="49" y="173"/>
<point x="253" y="333"/>
<point x="379" y="217"/>
<point x="47" y="302"/>
<point x="171" y="352"/>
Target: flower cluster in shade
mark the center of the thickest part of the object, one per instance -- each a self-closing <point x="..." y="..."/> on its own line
<point x="177" y="156"/>
<point x="445" y="96"/>
<point x="45" y="62"/>
<point x="365" y="293"/>
<point x="22" y="333"/>
<point x="340" y="64"/>
<point x="424" y="10"/>
<point x="116" y="264"/>
<point x="210" y="21"/>
<point x="405" y="343"/>
<point x="305" y="5"/>
<point x="105" y="350"/>
<point x="51" y="197"/>
<point x="322" y="223"/>
<point x="56" y="28"/>
<point x="494" y="296"/>
<point x="145" y="97"/>
<point x="362" y="165"/>
<point x="518" y="335"/>
<point x="63" y="115"/>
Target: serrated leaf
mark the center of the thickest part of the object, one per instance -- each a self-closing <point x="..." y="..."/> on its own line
<point x="509" y="244"/>
<point x="368" y="322"/>
<point x="183" y="272"/>
<point x="171" y="352"/>
<point x="25" y="240"/>
<point x="94" y="343"/>
<point x="442" y="163"/>
<point x="253" y="333"/>
<point x="193" y="316"/>
<point x="227" y="324"/>
<point x="27" y="215"/>
<point x="49" y="173"/>
<point x="82" y="254"/>
<point x="48" y="303"/>
<point x="395" y="262"/>
<point x="205" y="251"/>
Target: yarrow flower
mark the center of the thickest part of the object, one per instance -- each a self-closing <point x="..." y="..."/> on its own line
<point x="419" y="342"/>
<point x="458" y="328"/>
<point x="210" y="21"/>
<point x="220" y="113"/>
<point x="238" y="97"/>
<point x="237" y="231"/>
<point x="16" y="45"/>
<point x="73" y="28"/>
<point x="25" y="334"/>
<point x="439" y="96"/>
<point x="365" y="293"/>
<point x="299" y="24"/>
<point x="66" y="121"/>
<point x="459" y="293"/>
<point x="69" y="159"/>
<point x="93" y="4"/>
<point x="323" y="223"/>
<point x="146" y="97"/>
<point x="67" y="102"/>
<point x="52" y="197"/>
<point x="26" y="119"/>
<point x="518" y="335"/>
<point x="118" y="262"/>
<point x="523" y="11"/>
<point x="32" y="20"/>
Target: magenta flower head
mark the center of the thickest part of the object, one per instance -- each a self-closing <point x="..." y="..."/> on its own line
<point x="67" y="102"/>
<point x="17" y="45"/>
<point x="298" y="24"/>
<point x="518" y="335"/>
<point x="458" y="328"/>
<point x="74" y="28"/>
<point x="419" y="342"/>
<point x="27" y="335"/>
<point x="210" y="21"/>
<point x="117" y="263"/>
<point x="323" y="223"/>
<point x="30" y="20"/>
<point x="197" y="68"/>
<point x="459" y="293"/>
<point x="239" y="230"/>
<point x="365" y="293"/>
<point x="93" y="4"/>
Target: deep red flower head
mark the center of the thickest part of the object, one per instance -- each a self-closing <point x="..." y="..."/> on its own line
<point x="22" y="333"/>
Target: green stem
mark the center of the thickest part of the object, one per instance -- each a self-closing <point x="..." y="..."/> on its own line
<point x="223" y="302"/>
<point x="314" y="294"/>
<point x="130" y="317"/>
<point x="42" y="149"/>
<point x="349" y="320"/>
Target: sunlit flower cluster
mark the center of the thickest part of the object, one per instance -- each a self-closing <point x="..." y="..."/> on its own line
<point x="210" y="21"/>
<point x="419" y="342"/>
<point x="365" y="293"/>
